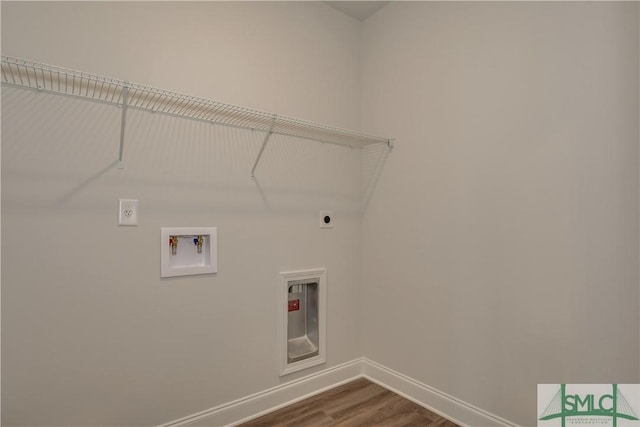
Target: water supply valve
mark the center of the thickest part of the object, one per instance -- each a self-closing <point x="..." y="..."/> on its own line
<point x="198" y="242"/>
<point x="173" y="242"/>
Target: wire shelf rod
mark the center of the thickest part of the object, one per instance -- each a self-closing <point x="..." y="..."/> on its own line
<point x="65" y="95"/>
<point x="210" y="122"/>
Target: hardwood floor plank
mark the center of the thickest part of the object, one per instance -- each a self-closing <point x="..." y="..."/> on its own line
<point x="294" y="416"/>
<point x="353" y="415"/>
<point x="358" y="403"/>
<point x="302" y="409"/>
<point x="443" y="422"/>
<point x="394" y="411"/>
<point x="316" y="419"/>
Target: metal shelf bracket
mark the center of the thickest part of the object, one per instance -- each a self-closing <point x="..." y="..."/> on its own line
<point x="264" y="144"/>
<point x="123" y="123"/>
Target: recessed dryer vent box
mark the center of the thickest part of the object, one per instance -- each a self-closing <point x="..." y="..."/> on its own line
<point x="303" y="314"/>
<point x="188" y="250"/>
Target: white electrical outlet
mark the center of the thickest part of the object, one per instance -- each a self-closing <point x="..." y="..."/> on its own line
<point x="128" y="213"/>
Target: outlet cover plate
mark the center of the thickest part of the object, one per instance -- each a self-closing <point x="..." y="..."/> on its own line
<point x="128" y="212"/>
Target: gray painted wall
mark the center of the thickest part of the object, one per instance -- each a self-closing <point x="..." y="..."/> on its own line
<point x="499" y="250"/>
<point x="505" y="224"/>
<point x="91" y="334"/>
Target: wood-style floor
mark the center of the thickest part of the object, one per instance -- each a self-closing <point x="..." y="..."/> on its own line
<point x="358" y="403"/>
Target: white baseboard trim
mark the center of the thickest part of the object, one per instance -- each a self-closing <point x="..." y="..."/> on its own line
<point x="261" y="403"/>
<point x="272" y="399"/>
<point x="454" y="409"/>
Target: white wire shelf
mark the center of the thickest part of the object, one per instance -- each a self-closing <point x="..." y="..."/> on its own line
<point x="62" y="81"/>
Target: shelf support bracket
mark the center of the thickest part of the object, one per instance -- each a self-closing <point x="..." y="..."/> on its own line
<point x="264" y="144"/>
<point x="123" y="123"/>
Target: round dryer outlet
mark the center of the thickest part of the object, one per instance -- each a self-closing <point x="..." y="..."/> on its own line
<point x="326" y="219"/>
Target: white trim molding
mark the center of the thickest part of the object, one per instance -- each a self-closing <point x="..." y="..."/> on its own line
<point x="256" y="405"/>
<point x="272" y="399"/>
<point x="443" y="404"/>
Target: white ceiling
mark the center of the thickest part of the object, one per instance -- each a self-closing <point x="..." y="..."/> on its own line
<point x="360" y="10"/>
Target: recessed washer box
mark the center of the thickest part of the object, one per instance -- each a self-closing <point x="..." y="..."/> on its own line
<point x="187" y="251"/>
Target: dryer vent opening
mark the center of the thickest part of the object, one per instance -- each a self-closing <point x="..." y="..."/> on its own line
<point x="303" y="319"/>
<point x="303" y="329"/>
